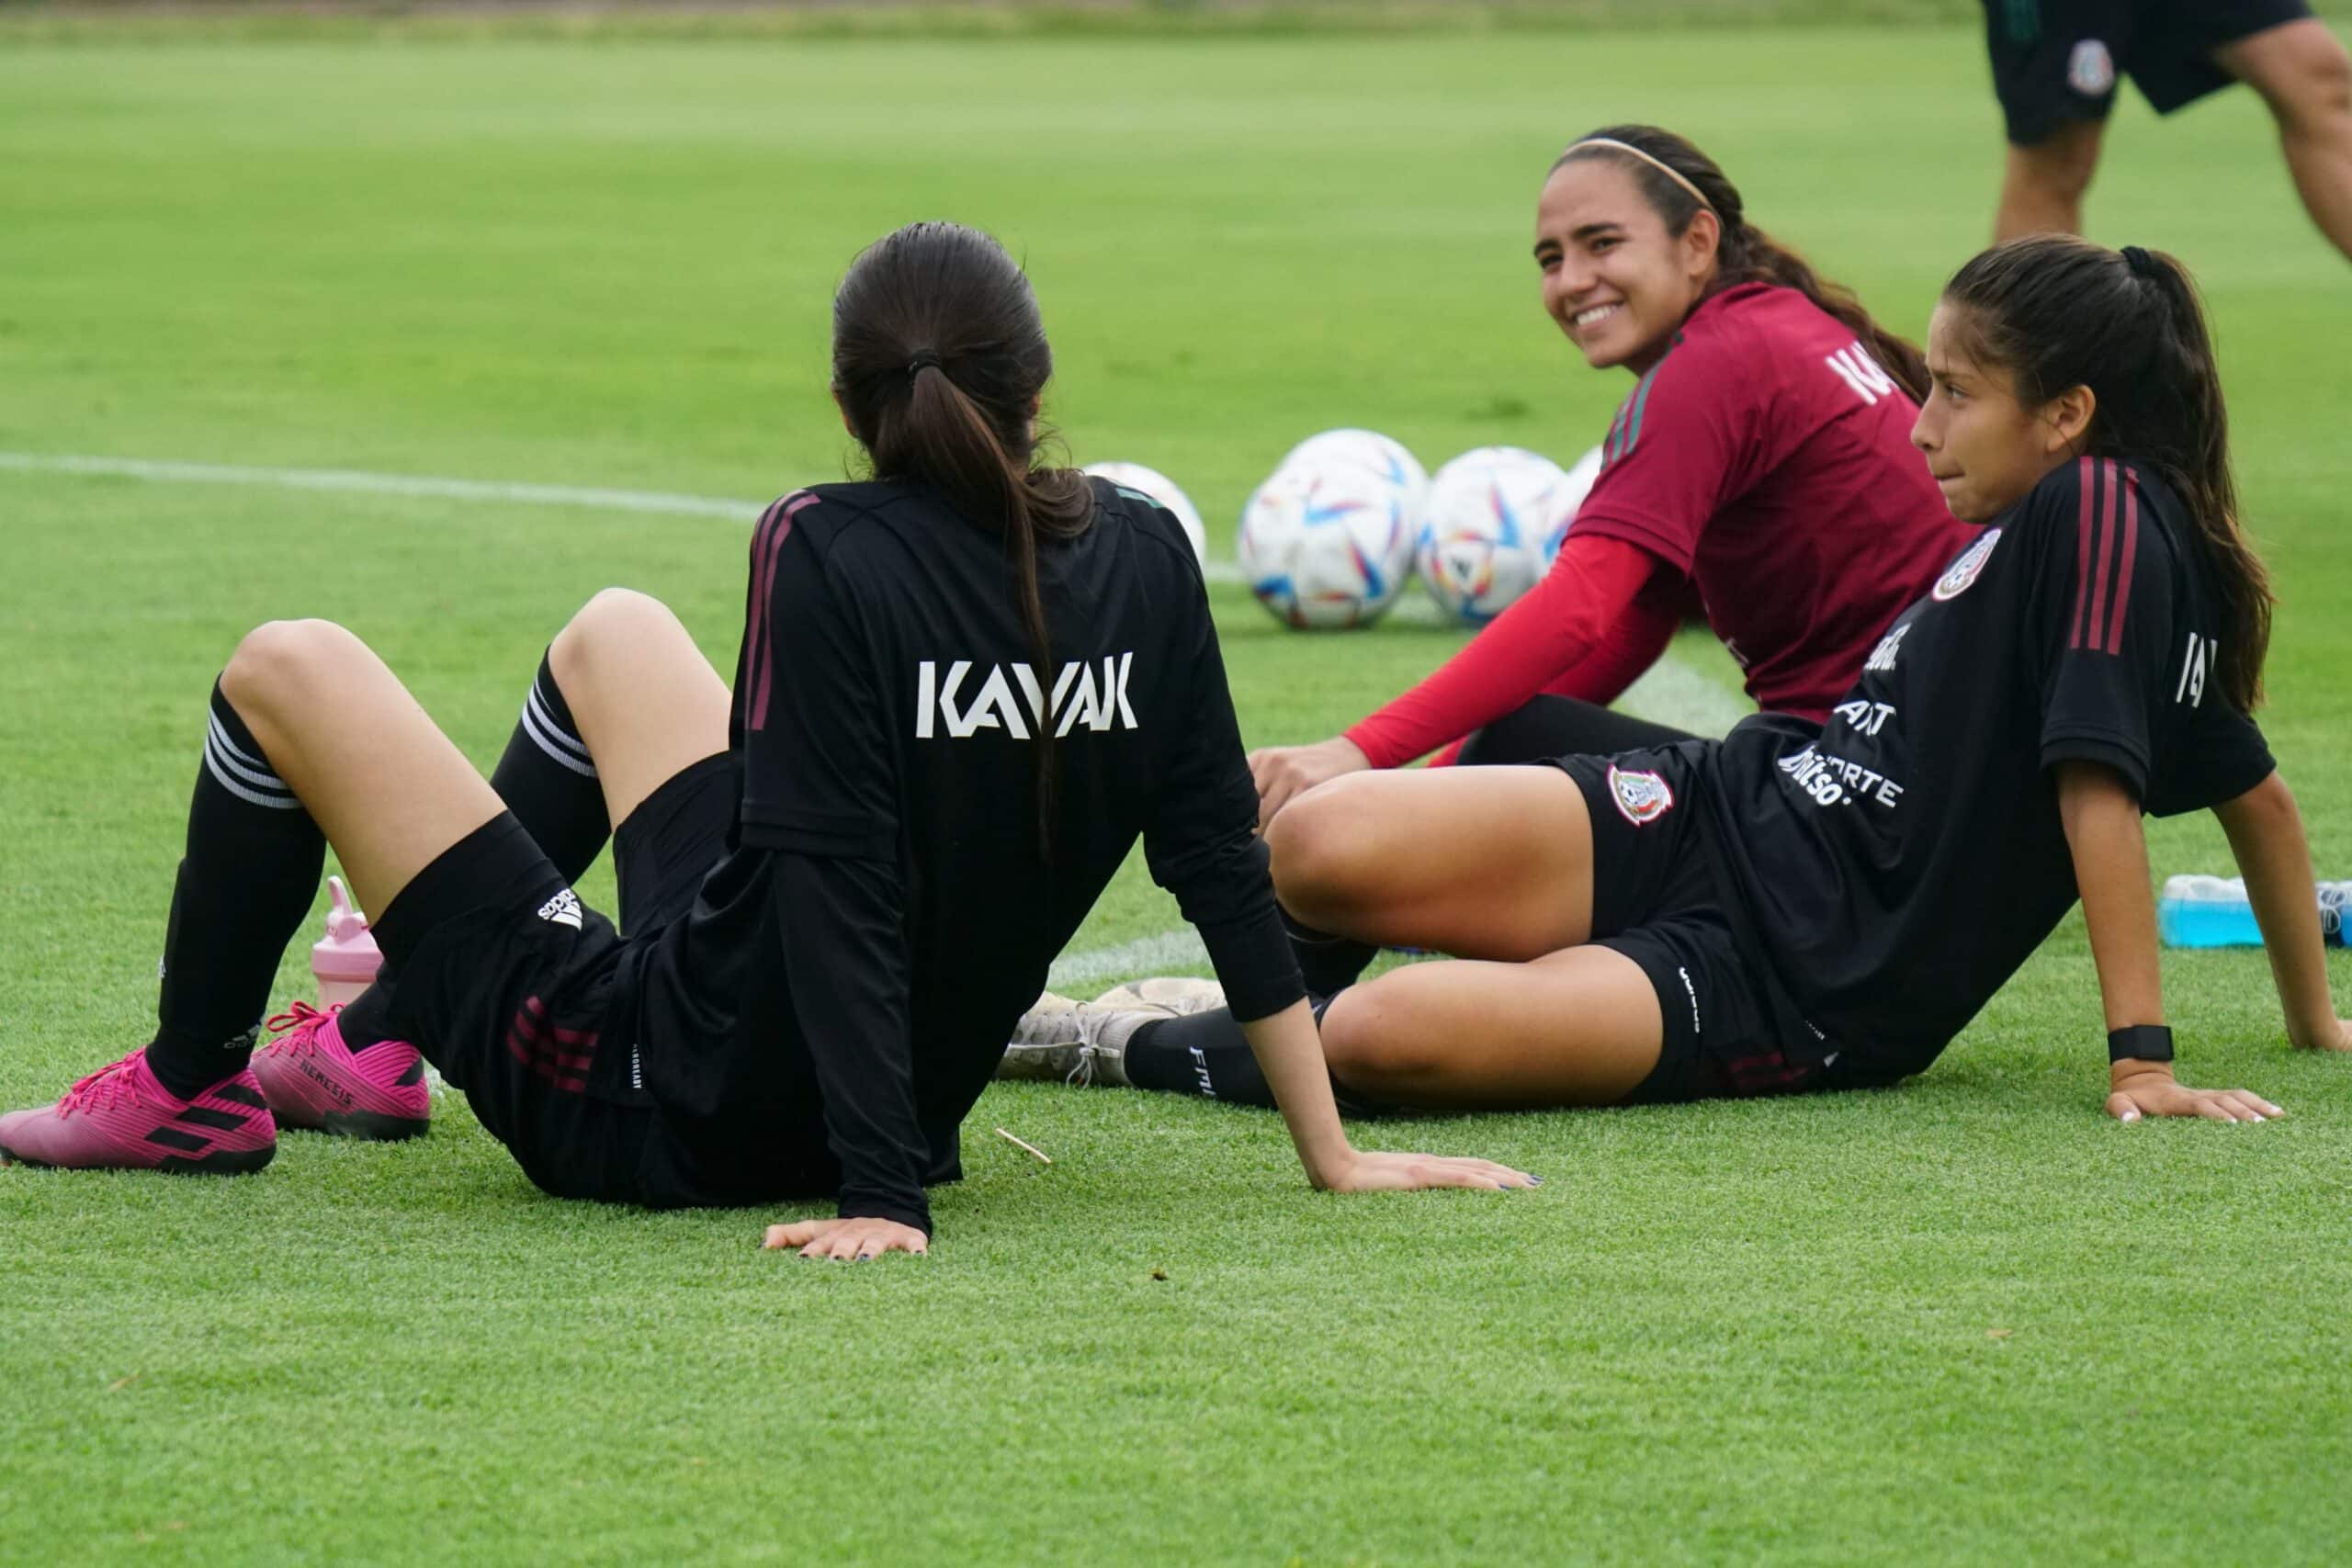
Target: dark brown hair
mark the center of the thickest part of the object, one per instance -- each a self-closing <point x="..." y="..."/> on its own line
<point x="1746" y="253"/>
<point x="939" y="358"/>
<point x="2055" y="313"/>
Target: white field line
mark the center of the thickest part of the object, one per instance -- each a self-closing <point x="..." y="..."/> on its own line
<point x="1170" y="952"/>
<point x="1671" y="693"/>
<point x="435" y="486"/>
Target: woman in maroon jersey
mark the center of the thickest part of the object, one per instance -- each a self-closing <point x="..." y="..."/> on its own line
<point x="1762" y="460"/>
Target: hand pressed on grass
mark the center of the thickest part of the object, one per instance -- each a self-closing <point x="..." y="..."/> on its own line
<point x="847" y="1241"/>
<point x="1375" y="1172"/>
<point x="2153" y="1091"/>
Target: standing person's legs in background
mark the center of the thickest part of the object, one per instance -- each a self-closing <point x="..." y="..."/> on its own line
<point x="2304" y="75"/>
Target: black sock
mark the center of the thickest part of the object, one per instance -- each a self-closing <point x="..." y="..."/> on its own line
<point x="1201" y="1054"/>
<point x="1206" y="1055"/>
<point x="248" y="879"/>
<point x="548" y="781"/>
<point x="365" y="1019"/>
<point x="1327" y="963"/>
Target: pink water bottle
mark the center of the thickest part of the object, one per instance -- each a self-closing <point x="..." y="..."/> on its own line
<point x="345" y="959"/>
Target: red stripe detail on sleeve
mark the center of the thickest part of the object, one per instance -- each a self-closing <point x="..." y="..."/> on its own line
<point x="762" y="670"/>
<point x="2131" y="549"/>
<point x="2083" y="483"/>
<point x="2105" y="553"/>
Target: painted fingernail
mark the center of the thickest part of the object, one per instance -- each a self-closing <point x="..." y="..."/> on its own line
<point x="1534" y="1180"/>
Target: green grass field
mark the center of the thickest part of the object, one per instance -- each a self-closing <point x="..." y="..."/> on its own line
<point x="1967" y="1320"/>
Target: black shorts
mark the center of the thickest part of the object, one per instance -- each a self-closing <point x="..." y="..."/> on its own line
<point x="1656" y="899"/>
<point x="2056" y="62"/>
<point x="508" y="983"/>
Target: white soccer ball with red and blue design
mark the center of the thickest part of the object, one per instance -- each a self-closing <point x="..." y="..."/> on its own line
<point x="1155" y="486"/>
<point x="1580" y="485"/>
<point x="1495" y="518"/>
<point x="1384" y="456"/>
<point x="1325" y="544"/>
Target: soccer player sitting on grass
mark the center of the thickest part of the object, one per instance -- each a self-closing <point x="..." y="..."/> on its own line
<point x="1762" y="460"/>
<point x="1803" y="906"/>
<point x="965" y="689"/>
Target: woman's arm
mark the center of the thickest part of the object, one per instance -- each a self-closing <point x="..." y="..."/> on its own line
<point x="2266" y="834"/>
<point x="1579" y="605"/>
<point x="1290" y="1053"/>
<point x="2110" y="852"/>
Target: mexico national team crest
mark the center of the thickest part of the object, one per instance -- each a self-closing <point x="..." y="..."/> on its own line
<point x="1641" y="797"/>
<point x="2090" y="70"/>
<point x="1960" y="576"/>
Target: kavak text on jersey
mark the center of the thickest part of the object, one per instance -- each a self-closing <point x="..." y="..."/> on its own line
<point x="1084" y="693"/>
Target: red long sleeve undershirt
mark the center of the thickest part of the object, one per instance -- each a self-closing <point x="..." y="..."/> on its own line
<point x="1586" y="630"/>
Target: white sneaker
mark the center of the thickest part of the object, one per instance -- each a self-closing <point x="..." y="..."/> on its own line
<point x="1086" y="1043"/>
<point x="1180" y="994"/>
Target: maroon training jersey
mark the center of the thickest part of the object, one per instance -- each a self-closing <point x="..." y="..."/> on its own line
<point x="1768" y="457"/>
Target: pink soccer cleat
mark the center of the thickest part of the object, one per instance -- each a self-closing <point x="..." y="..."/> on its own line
<point x="122" y="1118"/>
<point x="313" y="1081"/>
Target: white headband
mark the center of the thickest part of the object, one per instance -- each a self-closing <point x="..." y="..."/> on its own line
<point x="1664" y="168"/>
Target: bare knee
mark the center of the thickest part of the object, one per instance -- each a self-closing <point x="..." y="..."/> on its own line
<point x="279" y="661"/>
<point x="2058" y="169"/>
<point x="615" y="622"/>
<point x="1374" y="1049"/>
<point x="1320" y="853"/>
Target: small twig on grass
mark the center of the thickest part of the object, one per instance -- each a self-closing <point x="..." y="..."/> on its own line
<point x="1041" y="1155"/>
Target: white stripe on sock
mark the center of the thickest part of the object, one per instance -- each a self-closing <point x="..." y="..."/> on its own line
<point x="253" y="770"/>
<point x="224" y="773"/>
<point x="556" y="753"/>
<point x="220" y="732"/>
<point x="556" y="729"/>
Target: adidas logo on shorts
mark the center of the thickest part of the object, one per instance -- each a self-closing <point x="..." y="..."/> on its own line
<point x="564" y="909"/>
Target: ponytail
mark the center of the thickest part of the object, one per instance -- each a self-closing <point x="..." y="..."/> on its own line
<point x="2056" y="311"/>
<point x="1678" y="181"/>
<point x="939" y="358"/>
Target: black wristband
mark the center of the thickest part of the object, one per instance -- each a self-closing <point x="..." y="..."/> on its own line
<point x="2141" y="1043"/>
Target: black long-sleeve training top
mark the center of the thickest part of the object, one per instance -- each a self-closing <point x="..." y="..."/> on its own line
<point x="844" y="987"/>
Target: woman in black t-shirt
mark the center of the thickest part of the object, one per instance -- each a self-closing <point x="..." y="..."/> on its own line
<point x="1803" y="906"/>
<point x="965" y="689"/>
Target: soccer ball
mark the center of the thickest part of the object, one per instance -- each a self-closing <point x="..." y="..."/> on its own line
<point x="1580" y="485"/>
<point x="1155" y="486"/>
<point x="1326" y="543"/>
<point x="1369" y="449"/>
<point x="1496" y="518"/>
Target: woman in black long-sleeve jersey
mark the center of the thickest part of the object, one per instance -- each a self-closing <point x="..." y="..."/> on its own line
<point x="966" y="687"/>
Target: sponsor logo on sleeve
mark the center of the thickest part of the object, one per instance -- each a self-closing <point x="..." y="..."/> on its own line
<point x="1962" y="575"/>
<point x="1642" y="798"/>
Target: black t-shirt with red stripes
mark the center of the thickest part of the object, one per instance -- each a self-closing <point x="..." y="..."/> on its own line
<point x="1894" y="867"/>
<point x="843" y="991"/>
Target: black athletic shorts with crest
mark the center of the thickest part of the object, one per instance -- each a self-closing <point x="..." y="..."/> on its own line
<point x="507" y="983"/>
<point x="2058" y="61"/>
<point x="1654" y="900"/>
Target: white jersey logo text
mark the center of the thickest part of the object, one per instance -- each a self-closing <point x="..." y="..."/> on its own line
<point x="1882" y="657"/>
<point x="1085" y="693"/>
